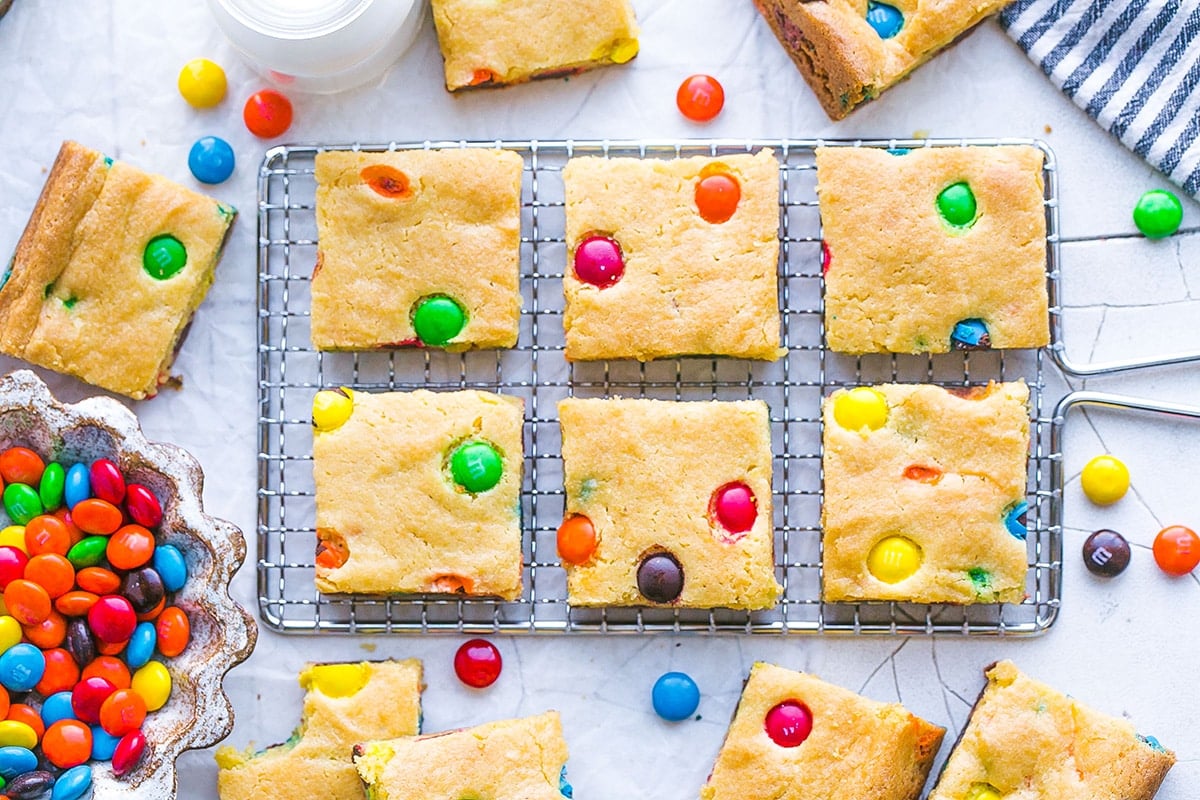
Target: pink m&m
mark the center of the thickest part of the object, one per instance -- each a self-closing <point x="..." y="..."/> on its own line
<point x="112" y="619"/>
<point x="789" y="723"/>
<point x="598" y="261"/>
<point x="733" y="507"/>
<point x="107" y="481"/>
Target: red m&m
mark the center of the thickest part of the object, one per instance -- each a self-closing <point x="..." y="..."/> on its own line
<point x="789" y="723"/>
<point x="477" y="663"/>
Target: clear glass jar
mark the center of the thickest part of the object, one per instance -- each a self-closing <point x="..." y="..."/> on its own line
<point x="320" y="45"/>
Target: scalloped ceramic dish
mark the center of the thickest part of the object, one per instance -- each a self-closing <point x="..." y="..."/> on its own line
<point x="223" y="634"/>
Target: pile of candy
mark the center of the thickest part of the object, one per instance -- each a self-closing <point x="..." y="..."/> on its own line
<point x="86" y="592"/>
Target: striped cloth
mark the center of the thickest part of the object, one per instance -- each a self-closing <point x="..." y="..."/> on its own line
<point x="1131" y="65"/>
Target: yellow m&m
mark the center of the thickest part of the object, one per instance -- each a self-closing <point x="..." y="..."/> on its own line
<point x="335" y="680"/>
<point x="894" y="559"/>
<point x="1104" y="480"/>
<point x="861" y="407"/>
<point x="331" y="409"/>
<point x="202" y="83"/>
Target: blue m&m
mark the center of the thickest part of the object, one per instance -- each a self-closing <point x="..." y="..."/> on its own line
<point x="675" y="696"/>
<point x="211" y="160"/>
<point x="885" y="19"/>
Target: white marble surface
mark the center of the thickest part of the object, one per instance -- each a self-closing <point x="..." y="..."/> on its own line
<point x="104" y="73"/>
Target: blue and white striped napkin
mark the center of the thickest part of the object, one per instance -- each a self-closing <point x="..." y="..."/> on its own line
<point x="1132" y="65"/>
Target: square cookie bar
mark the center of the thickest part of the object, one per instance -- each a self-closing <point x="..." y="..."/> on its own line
<point x="110" y="269"/>
<point x="344" y="704"/>
<point x="1025" y="739"/>
<point x="672" y="501"/>
<point x="850" y="51"/>
<point x="516" y="759"/>
<point x="417" y="247"/>
<point x="796" y="737"/>
<point x="418" y="492"/>
<point x="503" y="42"/>
<point x="672" y="257"/>
<point x="925" y="493"/>
<point x="933" y="248"/>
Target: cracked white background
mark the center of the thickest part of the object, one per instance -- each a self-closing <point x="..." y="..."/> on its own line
<point x="104" y="73"/>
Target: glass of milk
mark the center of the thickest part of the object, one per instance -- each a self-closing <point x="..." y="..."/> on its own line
<point x="320" y="45"/>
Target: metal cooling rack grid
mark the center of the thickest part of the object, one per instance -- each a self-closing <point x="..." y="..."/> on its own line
<point x="290" y="372"/>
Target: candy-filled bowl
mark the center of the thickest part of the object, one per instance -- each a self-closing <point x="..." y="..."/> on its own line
<point x="200" y="636"/>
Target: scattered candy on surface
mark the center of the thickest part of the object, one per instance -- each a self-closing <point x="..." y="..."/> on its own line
<point x="202" y="83"/>
<point x="576" y="539"/>
<point x="476" y="467"/>
<point x="675" y="696"/>
<point x="598" y="261"/>
<point x="1158" y="214"/>
<point x="789" y="723"/>
<point x="894" y="559"/>
<point x="87" y="614"/>
<point x="733" y="507"/>
<point x="211" y="160"/>
<point x="861" y="407"/>
<point x="717" y="196"/>
<point x="1015" y="519"/>
<point x="660" y="578"/>
<point x="438" y="319"/>
<point x="163" y="258"/>
<point x="1106" y="553"/>
<point x="267" y="114"/>
<point x="970" y="334"/>
<point x="477" y="663"/>
<point x="956" y="204"/>
<point x="1104" y="480"/>
<point x="885" y="19"/>
<point x="700" y="98"/>
<point x="1176" y="551"/>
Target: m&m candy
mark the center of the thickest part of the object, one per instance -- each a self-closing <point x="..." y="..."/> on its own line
<point x="477" y="663"/>
<point x="700" y="98"/>
<point x="789" y="723"/>
<point x="202" y="83"/>
<point x="1104" y="480"/>
<point x="87" y="619"/>
<point x="211" y="160"/>
<point x="1176" y="551"/>
<point x="1158" y="214"/>
<point x="675" y="696"/>
<point x="267" y="114"/>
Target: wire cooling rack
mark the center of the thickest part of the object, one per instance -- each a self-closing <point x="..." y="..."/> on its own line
<point x="291" y="371"/>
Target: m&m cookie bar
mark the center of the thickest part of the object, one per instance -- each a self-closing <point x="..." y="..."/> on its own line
<point x="111" y="267"/>
<point x="1025" y="739"/>
<point x="850" y="51"/>
<point x="925" y="493"/>
<point x="516" y="759"/>
<point x="512" y="41"/>
<point x="417" y="248"/>
<point x="933" y="248"/>
<point x="418" y="492"/>
<point x="796" y="737"/>
<point x="672" y="257"/>
<point x="344" y="704"/>
<point x="667" y="503"/>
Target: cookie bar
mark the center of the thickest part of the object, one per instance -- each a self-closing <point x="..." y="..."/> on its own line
<point x="512" y="41"/>
<point x="418" y="492"/>
<point x="925" y="493"/>
<point x="677" y="503"/>
<point x="417" y="247"/>
<point x="110" y="269"/>
<point x="672" y="257"/>
<point x="796" y="737"/>
<point x="516" y="759"/>
<point x="1026" y="739"/>
<point x="933" y="248"/>
<point x="343" y="705"/>
<point x="850" y="51"/>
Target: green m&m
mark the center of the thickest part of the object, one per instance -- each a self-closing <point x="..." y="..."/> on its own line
<point x="476" y="466"/>
<point x="163" y="257"/>
<point x="956" y="204"/>
<point x="438" y="319"/>
<point x="1158" y="214"/>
